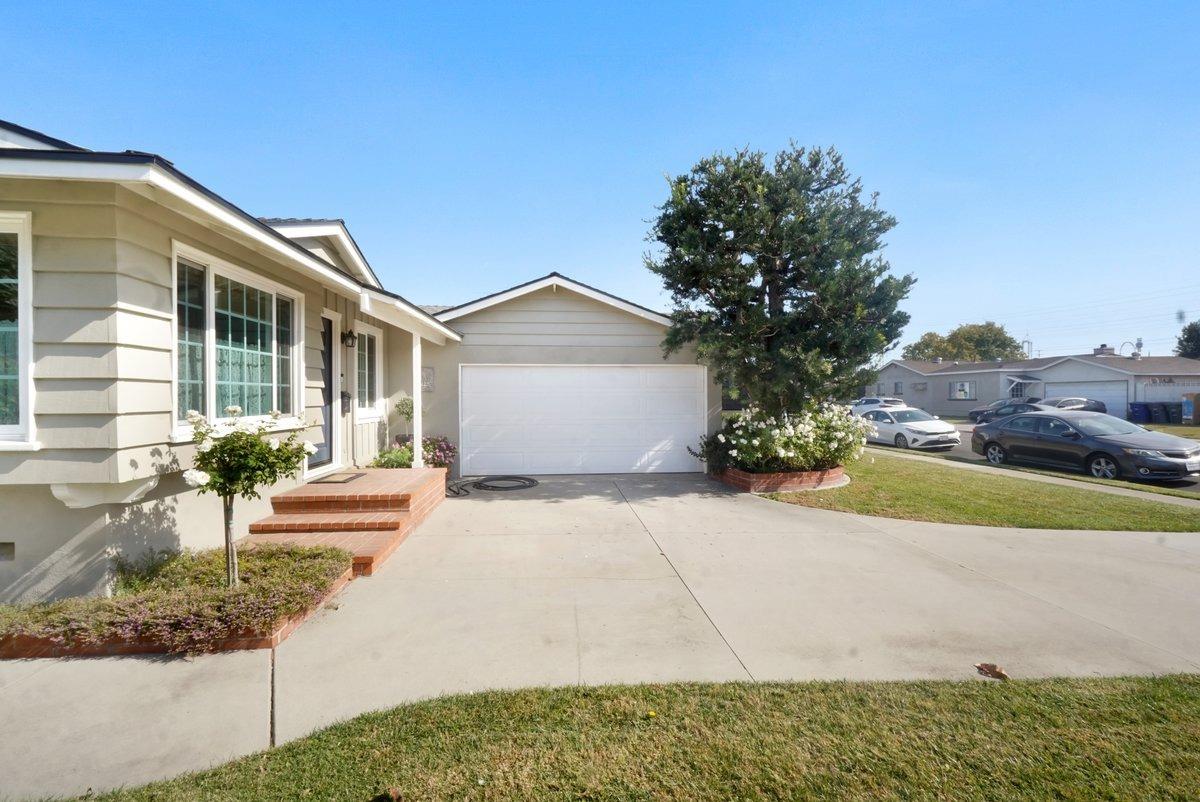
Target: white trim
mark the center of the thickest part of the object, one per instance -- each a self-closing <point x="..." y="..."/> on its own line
<point x="342" y="240"/>
<point x="378" y="409"/>
<point x="418" y="397"/>
<point x="212" y="265"/>
<point x="78" y="496"/>
<point x="335" y="407"/>
<point x="706" y="386"/>
<point x="427" y="326"/>
<point x="23" y="434"/>
<point x="554" y="281"/>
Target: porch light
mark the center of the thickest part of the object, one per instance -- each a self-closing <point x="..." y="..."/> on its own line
<point x="349" y="339"/>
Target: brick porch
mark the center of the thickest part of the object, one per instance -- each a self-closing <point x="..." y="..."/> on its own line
<point x="368" y="516"/>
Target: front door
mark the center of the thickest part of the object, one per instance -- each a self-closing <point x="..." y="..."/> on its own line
<point x="324" y="452"/>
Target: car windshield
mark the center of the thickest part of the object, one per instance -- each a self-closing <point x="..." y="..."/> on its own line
<point x="1105" y="424"/>
<point x="911" y="415"/>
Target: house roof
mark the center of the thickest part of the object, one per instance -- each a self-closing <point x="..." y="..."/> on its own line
<point x="553" y="280"/>
<point x="38" y="137"/>
<point x="73" y="162"/>
<point x="336" y="230"/>
<point x="1172" y="365"/>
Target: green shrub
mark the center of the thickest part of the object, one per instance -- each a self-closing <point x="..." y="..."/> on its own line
<point x="400" y="457"/>
<point x="813" y="440"/>
<point x="181" y="601"/>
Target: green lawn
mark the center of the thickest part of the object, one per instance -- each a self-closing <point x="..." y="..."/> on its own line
<point x="919" y="490"/>
<point x="1120" y="738"/>
<point x="1180" y="430"/>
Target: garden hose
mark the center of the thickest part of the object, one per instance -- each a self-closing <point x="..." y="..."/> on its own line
<point x="463" y="487"/>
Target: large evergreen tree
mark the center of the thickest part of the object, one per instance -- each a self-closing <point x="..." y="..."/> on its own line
<point x="776" y="274"/>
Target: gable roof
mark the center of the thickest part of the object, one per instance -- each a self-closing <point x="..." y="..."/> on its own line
<point x="1168" y="365"/>
<point x="334" y="229"/>
<point x="554" y="280"/>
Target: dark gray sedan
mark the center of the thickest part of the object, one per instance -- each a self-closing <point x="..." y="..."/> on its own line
<point x="1104" y="446"/>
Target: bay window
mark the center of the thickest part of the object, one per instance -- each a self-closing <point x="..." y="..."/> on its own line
<point x="235" y="340"/>
<point x="16" y="327"/>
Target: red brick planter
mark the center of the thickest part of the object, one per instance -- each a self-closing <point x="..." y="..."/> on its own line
<point x="24" y="646"/>
<point x="783" y="482"/>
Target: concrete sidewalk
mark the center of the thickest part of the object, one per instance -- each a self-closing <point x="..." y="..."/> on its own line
<point x="597" y="579"/>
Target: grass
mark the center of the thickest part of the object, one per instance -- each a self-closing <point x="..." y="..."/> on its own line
<point x="1126" y="738"/>
<point x="1177" y="429"/>
<point x="918" y="490"/>
<point x="180" y="600"/>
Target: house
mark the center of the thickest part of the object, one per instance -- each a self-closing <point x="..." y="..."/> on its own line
<point x="954" y="388"/>
<point x="130" y="294"/>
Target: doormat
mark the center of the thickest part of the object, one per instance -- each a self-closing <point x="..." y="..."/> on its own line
<point x="336" y="479"/>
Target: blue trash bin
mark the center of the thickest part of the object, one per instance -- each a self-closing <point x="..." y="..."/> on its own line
<point x="1139" y="412"/>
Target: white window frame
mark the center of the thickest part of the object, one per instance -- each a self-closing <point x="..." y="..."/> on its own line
<point x="972" y="391"/>
<point x="897" y="388"/>
<point x="22" y="436"/>
<point x="377" y="409"/>
<point x="213" y="265"/>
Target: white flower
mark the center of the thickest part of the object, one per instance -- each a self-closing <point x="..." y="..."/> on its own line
<point x="274" y="442"/>
<point x="720" y="438"/>
<point x="204" y="445"/>
<point x="196" y="477"/>
<point x="309" y="448"/>
<point x="275" y="414"/>
<point x="193" y="416"/>
<point x="733" y="452"/>
<point x="233" y="410"/>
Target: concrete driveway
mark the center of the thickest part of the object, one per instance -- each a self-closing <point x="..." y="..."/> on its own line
<point x="623" y="579"/>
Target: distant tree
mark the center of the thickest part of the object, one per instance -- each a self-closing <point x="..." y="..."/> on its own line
<point x="776" y="275"/>
<point x="970" y="342"/>
<point x="1188" y="343"/>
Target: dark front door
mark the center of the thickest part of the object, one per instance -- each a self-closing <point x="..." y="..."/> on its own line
<point x="324" y="453"/>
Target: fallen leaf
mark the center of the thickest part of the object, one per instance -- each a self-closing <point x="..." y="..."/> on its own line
<point x="991" y="670"/>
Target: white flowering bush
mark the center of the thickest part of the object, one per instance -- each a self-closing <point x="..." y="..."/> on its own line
<point x="235" y="457"/>
<point x="822" y="437"/>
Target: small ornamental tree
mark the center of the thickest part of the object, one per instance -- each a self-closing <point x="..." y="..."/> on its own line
<point x="235" y="458"/>
<point x="1188" y="344"/>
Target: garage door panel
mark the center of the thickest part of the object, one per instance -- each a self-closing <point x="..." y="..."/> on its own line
<point x="580" y="419"/>
<point x="1114" y="394"/>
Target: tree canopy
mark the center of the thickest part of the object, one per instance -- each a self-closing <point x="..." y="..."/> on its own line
<point x="776" y="275"/>
<point x="970" y="342"/>
<point x="1188" y="343"/>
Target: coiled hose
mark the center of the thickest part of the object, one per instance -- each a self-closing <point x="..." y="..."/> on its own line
<point x="463" y="487"/>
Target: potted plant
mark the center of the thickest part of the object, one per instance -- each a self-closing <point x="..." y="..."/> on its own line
<point x="762" y="453"/>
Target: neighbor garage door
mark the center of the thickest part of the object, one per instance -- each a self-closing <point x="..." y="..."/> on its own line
<point x="537" y="419"/>
<point x="1114" y="394"/>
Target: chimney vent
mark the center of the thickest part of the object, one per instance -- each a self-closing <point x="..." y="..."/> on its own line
<point x="1104" y="350"/>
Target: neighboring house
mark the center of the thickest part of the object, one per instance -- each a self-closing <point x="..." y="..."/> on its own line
<point x="130" y="293"/>
<point x="954" y="388"/>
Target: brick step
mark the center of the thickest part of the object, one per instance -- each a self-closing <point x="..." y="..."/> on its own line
<point x="355" y="521"/>
<point x="296" y="502"/>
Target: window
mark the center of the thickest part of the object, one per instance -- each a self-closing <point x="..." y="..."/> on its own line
<point x="898" y="388"/>
<point x="879" y="388"/>
<point x="370" y="402"/>
<point x="16" y="326"/>
<point x="1055" y="428"/>
<point x="962" y="391"/>
<point x="1017" y="390"/>
<point x="235" y="340"/>
<point x="1022" y="425"/>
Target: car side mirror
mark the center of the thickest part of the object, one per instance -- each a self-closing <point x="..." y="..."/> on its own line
<point x="1071" y="435"/>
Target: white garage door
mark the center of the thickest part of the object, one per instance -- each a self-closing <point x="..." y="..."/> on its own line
<point x="537" y="419"/>
<point x="1114" y="394"/>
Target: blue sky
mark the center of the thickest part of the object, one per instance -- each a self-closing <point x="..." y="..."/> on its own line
<point x="1042" y="159"/>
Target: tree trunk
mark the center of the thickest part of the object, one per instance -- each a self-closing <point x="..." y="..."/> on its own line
<point x="231" y="560"/>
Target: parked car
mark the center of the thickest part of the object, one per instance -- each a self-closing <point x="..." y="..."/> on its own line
<point x="861" y="405"/>
<point x="1012" y="408"/>
<point x="978" y="412"/>
<point x="1102" y="445"/>
<point x="1074" y="402"/>
<point x="908" y="427"/>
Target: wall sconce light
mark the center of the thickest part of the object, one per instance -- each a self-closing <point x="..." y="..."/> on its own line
<point x="349" y="339"/>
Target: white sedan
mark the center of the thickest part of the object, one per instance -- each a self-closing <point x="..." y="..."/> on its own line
<point x="908" y="427"/>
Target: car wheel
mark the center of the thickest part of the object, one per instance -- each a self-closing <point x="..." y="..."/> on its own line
<point x="901" y="441"/>
<point x="1102" y="466"/>
<point x="995" y="454"/>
